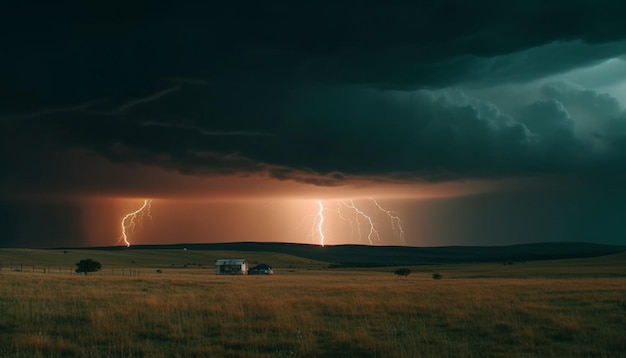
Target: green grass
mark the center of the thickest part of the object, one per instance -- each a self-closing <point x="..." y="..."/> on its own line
<point x="554" y="309"/>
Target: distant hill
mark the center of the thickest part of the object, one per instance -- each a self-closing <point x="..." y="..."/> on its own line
<point x="376" y="256"/>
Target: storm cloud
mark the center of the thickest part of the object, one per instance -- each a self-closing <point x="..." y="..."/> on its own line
<point x="319" y="92"/>
<point x="357" y="132"/>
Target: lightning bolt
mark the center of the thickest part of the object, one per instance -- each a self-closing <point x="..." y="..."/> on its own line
<point x="396" y="223"/>
<point x="320" y="221"/>
<point x="131" y="219"/>
<point x="317" y="225"/>
<point x="366" y="217"/>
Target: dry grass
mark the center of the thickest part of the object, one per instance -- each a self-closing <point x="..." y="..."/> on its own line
<point x="37" y="260"/>
<point x="309" y="313"/>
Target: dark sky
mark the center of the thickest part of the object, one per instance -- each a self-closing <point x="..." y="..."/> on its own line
<point x="476" y="122"/>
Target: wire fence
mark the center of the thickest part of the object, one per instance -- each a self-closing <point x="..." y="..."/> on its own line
<point x="20" y="267"/>
<point x="180" y="270"/>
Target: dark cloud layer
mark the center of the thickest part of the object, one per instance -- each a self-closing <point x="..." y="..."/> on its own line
<point x="324" y="135"/>
<point x="315" y="92"/>
<point x="101" y="48"/>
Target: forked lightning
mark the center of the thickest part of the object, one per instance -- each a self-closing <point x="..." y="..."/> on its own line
<point x="131" y="219"/>
<point x="361" y="218"/>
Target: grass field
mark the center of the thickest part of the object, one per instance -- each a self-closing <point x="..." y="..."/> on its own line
<point x="566" y="308"/>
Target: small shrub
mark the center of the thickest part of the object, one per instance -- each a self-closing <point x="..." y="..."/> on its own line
<point x="159" y="271"/>
<point x="402" y="271"/>
<point x="437" y="276"/>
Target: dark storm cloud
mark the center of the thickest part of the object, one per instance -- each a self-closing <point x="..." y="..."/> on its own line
<point x="140" y="101"/>
<point x="418" y="44"/>
<point x="202" y="131"/>
<point x="605" y="115"/>
<point x="554" y="128"/>
<point x="601" y="106"/>
<point x="304" y="91"/>
<point x="326" y="135"/>
<point x="110" y="47"/>
<point x="555" y="57"/>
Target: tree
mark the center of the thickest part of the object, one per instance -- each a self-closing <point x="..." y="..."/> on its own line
<point x="87" y="266"/>
<point x="402" y="272"/>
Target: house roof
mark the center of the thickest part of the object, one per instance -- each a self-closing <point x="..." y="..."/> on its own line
<point x="230" y="261"/>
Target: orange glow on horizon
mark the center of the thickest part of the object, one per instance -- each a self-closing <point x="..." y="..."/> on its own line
<point x="228" y="208"/>
<point x="291" y="221"/>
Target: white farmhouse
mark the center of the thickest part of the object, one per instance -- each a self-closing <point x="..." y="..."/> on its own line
<point x="231" y="267"/>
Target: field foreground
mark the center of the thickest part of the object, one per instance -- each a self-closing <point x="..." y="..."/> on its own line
<point x="314" y="313"/>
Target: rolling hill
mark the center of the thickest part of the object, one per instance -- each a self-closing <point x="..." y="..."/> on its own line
<point x="364" y="256"/>
<point x="285" y="255"/>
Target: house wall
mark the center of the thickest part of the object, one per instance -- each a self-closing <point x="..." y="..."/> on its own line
<point x="231" y="268"/>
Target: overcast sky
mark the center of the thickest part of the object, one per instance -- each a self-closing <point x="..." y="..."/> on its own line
<point x="473" y="122"/>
